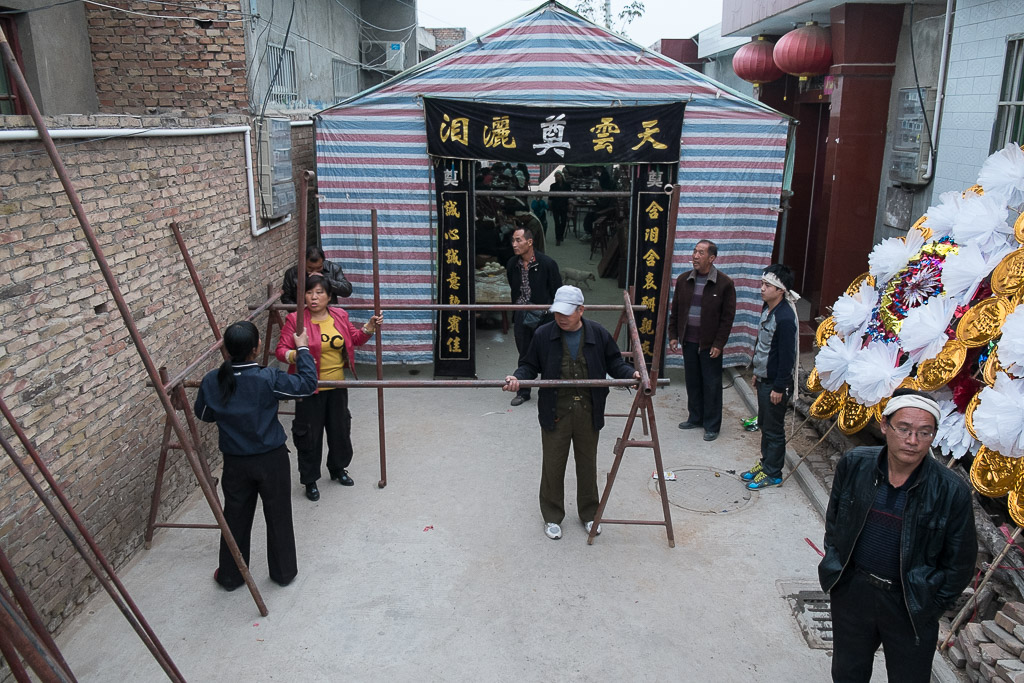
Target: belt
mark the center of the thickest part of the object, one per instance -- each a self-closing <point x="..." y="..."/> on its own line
<point x="880" y="583"/>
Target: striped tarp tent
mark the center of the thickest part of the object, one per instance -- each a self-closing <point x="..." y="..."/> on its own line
<point x="371" y="153"/>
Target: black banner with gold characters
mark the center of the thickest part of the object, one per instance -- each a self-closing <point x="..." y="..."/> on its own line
<point x="456" y="332"/>
<point x="552" y="134"/>
<point x="650" y="247"/>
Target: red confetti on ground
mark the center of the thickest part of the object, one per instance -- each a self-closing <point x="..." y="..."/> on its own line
<point x="429" y="528"/>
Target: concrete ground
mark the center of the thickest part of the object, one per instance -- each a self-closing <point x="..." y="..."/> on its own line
<point x="446" y="574"/>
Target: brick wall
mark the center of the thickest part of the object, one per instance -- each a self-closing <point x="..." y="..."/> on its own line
<point x="143" y="64"/>
<point x="447" y="37"/>
<point x="977" y="52"/>
<point x="68" y="369"/>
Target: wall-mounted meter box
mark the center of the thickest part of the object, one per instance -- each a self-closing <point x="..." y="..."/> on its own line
<point x="277" y="189"/>
<point x="910" y="148"/>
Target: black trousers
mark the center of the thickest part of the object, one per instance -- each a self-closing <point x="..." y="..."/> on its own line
<point x="325" y="411"/>
<point x="266" y="476"/>
<point x="524" y="335"/>
<point x="864" y="617"/>
<point x="561" y="219"/>
<point x="771" y="420"/>
<point x="703" y="387"/>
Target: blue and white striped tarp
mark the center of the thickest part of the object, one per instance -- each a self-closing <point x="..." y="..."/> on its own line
<point x="371" y="153"/>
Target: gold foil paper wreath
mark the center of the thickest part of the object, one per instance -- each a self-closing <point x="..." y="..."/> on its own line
<point x="984" y="321"/>
<point x="936" y="372"/>
<point x="994" y="474"/>
<point x="826" y="330"/>
<point x="814" y="381"/>
<point x="1008" y="275"/>
<point x="828" y="403"/>
<point x="853" y="416"/>
<point x="1018" y="228"/>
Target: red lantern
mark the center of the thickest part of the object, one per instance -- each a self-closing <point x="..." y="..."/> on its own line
<point x="753" y="62"/>
<point x="805" y="51"/>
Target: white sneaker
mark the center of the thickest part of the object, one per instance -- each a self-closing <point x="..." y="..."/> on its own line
<point x="553" y="531"/>
<point x="589" y="525"/>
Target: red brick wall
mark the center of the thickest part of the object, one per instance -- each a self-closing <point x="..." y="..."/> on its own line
<point x="68" y="369"/>
<point x="146" y="64"/>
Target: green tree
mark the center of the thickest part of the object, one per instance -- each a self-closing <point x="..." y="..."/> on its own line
<point x="592" y="8"/>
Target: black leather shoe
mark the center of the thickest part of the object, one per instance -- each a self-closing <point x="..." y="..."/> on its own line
<point x="710" y="436"/>
<point x="343" y="478"/>
<point x="227" y="587"/>
<point x="312" y="492"/>
<point x="688" y="425"/>
<point x="520" y="400"/>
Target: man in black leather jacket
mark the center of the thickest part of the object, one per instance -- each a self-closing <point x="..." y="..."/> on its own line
<point x="315" y="263"/>
<point x="900" y="546"/>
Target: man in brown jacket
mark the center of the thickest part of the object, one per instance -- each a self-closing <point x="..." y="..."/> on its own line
<point x="703" y="309"/>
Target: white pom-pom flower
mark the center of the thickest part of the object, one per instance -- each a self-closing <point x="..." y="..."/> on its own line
<point x="999" y="417"/>
<point x="891" y="255"/>
<point x="963" y="271"/>
<point x="1011" y="344"/>
<point x="874" y="374"/>
<point x="923" y="332"/>
<point x="942" y="217"/>
<point x="834" y="359"/>
<point x="853" y="312"/>
<point x="983" y="220"/>
<point x="1003" y="173"/>
<point x="952" y="437"/>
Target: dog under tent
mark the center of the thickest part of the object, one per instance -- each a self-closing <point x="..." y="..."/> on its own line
<point x="372" y="153"/>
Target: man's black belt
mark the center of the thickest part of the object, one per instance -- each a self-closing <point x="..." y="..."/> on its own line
<point x="879" y="582"/>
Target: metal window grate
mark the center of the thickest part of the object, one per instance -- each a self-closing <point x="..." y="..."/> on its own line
<point x="1009" y="126"/>
<point x="285" y="89"/>
<point x="346" y="81"/>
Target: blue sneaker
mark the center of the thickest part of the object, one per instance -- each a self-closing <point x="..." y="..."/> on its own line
<point x="763" y="481"/>
<point x="752" y="472"/>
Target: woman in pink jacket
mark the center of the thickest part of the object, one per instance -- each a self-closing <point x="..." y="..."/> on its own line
<point x="332" y="341"/>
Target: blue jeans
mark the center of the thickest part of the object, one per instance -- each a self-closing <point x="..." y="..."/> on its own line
<point x="771" y="420"/>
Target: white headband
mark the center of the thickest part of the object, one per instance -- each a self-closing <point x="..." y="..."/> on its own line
<point x="913" y="401"/>
<point x="773" y="279"/>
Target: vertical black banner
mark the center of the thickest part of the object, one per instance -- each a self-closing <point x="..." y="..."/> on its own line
<point x="649" y="248"/>
<point x="454" y="342"/>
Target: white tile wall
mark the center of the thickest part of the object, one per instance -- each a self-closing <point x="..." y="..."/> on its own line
<point x="977" y="51"/>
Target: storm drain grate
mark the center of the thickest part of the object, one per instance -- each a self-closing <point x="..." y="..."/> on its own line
<point x="814" y="616"/>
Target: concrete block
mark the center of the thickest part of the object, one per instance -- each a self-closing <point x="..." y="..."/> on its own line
<point x="992" y="653"/>
<point x="972" y="654"/>
<point x="957" y="657"/>
<point x="1014" y="610"/>
<point x="975" y="634"/>
<point x="988" y="672"/>
<point x="1006" y="621"/>
<point x="1005" y="667"/>
<point x="1002" y="638"/>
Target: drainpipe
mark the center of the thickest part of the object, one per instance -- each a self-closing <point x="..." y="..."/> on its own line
<point x="941" y="95"/>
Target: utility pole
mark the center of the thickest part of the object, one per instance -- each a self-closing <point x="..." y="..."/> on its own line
<point x="608" y="13"/>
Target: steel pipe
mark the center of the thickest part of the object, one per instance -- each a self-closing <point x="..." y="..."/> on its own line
<point x="380" y="365"/>
<point x="457" y="307"/>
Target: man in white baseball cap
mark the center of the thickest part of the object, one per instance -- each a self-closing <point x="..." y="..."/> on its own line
<point x="570" y="348"/>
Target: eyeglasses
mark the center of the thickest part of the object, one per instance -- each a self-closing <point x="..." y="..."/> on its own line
<point x="922" y="434"/>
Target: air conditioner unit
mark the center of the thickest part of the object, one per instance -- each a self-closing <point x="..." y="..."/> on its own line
<point x="383" y="55"/>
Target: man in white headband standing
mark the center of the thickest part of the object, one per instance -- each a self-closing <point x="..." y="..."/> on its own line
<point x="900" y="546"/>
<point x="774" y="370"/>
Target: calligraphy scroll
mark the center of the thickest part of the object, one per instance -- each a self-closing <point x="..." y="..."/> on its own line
<point x="455" y="337"/>
<point x="550" y="134"/>
<point x="650" y="246"/>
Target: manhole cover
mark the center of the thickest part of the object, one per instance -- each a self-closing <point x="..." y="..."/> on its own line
<point x="814" y="615"/>
<point x="705" y="490"/>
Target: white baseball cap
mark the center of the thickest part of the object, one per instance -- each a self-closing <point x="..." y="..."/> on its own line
<point x="567" y="300"/>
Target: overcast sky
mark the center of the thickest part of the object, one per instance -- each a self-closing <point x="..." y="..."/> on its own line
<point x="662" y="19"/>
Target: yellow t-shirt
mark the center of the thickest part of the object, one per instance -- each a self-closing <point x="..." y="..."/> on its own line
<point x="332" y="351"/>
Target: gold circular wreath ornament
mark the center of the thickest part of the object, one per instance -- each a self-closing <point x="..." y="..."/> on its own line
<point x="1008" y="275"/>
<point x="1014" y="499"/>
<point x="984" y="321"/>
<point x="853" y="416"/>
<point x="1018" y="228"/>
<point x="991" y="368"/>
<point x="826" y="330"/>
<point x="828" y="403"/>
<point x="814" y="381"/>
<point x="972" y="405"/>
<point x="859" y="281"/>
<point x="936" y="372"/>
<point x="976" y="189"/>
<point x="993" y="474"/>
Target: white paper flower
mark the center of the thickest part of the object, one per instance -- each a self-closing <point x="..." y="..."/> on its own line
<point x="834" y="359"/>
<point x="852" y="313"/>
<point x="1003" y="173"/>
<point x="999" y="418"/>
<point x="941" y="218"/>
<point x="873" y="374"/>
<point x="952" y="437"/>
<point x="1011" y="344"/>
<point x="891" y="255"/>
<point x="963" y="271"/>
<point x="923" y="332"/>
<point x="983" y="220"/>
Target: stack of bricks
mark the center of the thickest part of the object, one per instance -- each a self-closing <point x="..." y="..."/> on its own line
<point x="992" y="650"/>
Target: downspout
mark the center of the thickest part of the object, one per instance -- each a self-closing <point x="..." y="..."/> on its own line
<point x="941" y="95"/>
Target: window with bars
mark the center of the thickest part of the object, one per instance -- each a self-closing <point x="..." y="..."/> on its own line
<point x="10" y="99"/>
<point x="1009" y="125"/>
<point x="346" y="79"/>
<point x="285" y="89"/>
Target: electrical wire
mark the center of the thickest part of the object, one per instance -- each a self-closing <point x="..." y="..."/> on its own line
<point x="266" y="101"/>
<point x="379" y="28"/>
<point x="155" y="16"/>
<point x="917" y="84"/>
